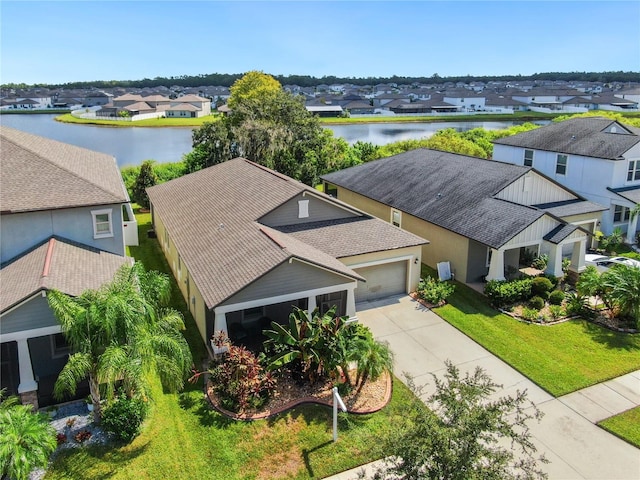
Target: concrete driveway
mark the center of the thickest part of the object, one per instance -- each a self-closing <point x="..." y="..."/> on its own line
<point x="576" y="448"/>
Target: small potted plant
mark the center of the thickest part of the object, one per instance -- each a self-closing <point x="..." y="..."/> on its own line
<point x="52" y="411"/>
<point x="89" y="402"/>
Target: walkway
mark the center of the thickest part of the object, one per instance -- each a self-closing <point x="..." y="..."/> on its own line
<point x="567" y="435"/>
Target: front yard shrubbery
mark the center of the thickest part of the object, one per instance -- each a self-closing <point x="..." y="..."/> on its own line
<point x="434" y="291"/>
<point x="502" y="293"/>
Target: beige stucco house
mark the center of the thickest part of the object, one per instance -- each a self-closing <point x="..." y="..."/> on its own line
<point x="246" y="244"/>
<point x="479" y="215"/>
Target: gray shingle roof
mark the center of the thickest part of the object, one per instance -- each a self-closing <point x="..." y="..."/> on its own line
<point x="57" y="264"/>
<point x="212" y="218"/>
<point x="578" y="136"/>
<point x="560" y="233"/>
<point x="571" y="207"/>
<point x="37" y="173"/>
<point x="446" y="189"/>
<point x="352" y="236"/>
<point x="630" y="193"/>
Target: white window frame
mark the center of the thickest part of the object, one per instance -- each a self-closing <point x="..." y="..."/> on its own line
<point x="524" y="159"/>
<point x="59" y="352"/>
<point x="633" y="171"/>
<point x="399" y="213"/>
<point x="623" y="212"/>
<point x="303" y="208"/>
<point x="566" y="163"/>
<point x="94" y="216"/>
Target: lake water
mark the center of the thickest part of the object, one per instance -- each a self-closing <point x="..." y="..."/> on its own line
<point x="133" y="145"/>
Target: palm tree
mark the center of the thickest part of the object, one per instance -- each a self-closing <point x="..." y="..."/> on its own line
<point x="622" y="288"/>
<point x="27" y="439"/>
<point x="372" y="359"/>
<point x="121" y="332"/>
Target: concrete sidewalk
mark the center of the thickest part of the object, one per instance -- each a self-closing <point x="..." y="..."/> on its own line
<point x="567" y="435"/>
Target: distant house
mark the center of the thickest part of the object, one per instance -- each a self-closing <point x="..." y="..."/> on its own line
<point x="97" y="98"/>
<point x="246" y="244"/>
<point x="482" y="216"/>
<point x="596" y="157"/>
<point x="65" y="220"/>
<point x="325" y="110"/>
<point x="189" y="106"/>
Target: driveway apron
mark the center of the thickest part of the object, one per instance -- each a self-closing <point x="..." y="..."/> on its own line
<point x="576" y="447"/>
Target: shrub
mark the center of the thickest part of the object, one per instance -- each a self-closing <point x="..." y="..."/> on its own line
<point x="537" y="303"/>
<point x="530" y="314"/>
<point x="577" y="304"/>
<point x="541" y="286"/>
<point x="553" y="279"/>
<point x="557" y="311"/>
<point x="240" y="381"/>
<point x="434" y="291"/>
<point x="540" y="262"/>
<point x="501" y="292"/>
<point x="556" y="297"/>
<point x="123" y="417"/>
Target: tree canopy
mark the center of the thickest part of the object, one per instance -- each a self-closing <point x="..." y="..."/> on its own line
<point x="253" y="85"/>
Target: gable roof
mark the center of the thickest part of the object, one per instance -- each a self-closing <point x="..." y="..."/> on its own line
<point x="587" y="136"/>
<point x="30" y="167"/>
<point x="57" y="264"/>
<point x="212" y="217"/>
<point x="449" y="190"/>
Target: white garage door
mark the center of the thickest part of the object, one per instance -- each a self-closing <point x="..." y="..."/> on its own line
<point x="382" y="281"/>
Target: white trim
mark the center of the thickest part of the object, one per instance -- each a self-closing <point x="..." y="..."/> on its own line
<point x="566" y="164"/>
<point x="306" y="262"/>
<point x="334" y="201"/>
<point x="25" y="334"/>
<point x="109" y="213"/>
<point x="303" y="208"/>
<point x="381" y="261"/>
<point x="281" y="298"/>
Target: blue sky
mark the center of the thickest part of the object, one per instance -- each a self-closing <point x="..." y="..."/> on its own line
<point x="64" y="41"/>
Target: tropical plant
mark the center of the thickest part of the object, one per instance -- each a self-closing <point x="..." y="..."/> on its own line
<point x="119" y="334"/>
<point x="461" y="434"/>
<point x="577" y="304"/>
<point x="540" y="262"/>
<point x="612" y="242"/>
<point x="372" y="357"/>
<point x="434" y="291"/>
<point x="240" y="381"/>
<point x="557" y="311"/>
<point x="621" y="286"/>
<point x="27" y="439"/>
<point x="590" y="283"/>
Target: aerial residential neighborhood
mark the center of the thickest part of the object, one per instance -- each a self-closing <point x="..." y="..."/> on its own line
<point x="271" y="240"/>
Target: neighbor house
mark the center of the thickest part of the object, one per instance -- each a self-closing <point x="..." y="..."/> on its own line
<point x="246" y="244"/>
<point x="598" y="158"/>
<point x="482" y="216"/>
<point x="65" y="219"/>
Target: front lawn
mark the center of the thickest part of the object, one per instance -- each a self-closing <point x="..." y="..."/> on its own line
<point x="183" y="438"/>
<point x="560" y="358"/>
<point x="625" y="425"/>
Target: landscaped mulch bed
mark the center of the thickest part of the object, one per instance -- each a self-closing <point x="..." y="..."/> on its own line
<point x="372" y="397"/>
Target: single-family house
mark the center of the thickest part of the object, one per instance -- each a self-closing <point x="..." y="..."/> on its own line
<point x="189" y="106"/>
<point x="246" y="244"/>
<point x="596" y="157"/>
<point x="65" y="219"/>
<point x="480" y="215"/>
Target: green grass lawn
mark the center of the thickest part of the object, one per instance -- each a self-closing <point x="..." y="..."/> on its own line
<point x="184" y="439"/>
<point x="149" y="122"/>
<point x="625" y="425"/>
<point x="560" y="358"/>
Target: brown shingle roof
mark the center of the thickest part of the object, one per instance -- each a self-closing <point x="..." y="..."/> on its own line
<point x="37" y="173"/>
<point x="57" y="264"/>
<point x="212" y="218"/>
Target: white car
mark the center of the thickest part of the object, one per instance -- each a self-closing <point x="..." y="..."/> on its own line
<point x="603" y="263"/>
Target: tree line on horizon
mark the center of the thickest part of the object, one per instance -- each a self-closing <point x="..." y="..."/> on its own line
<point x="226" y="80"/>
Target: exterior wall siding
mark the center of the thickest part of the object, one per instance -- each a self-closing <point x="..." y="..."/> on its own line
<point x="287" y="278"/>
<point x="33" y="314"/>
<point x="533" y="189"/>
<point x="22" y="231"/>
<point x="477" y="262"/>
<point x="319" y="210"/>
<point x="443" y="246"/>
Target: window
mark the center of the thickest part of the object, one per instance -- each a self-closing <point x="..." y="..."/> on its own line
<point x="528" y="158"/>
<point x="102" y="225"/>
<point x="621" y="214"/>
<point x="303" y="208"/>
<point x="396" y="218"/>
<point x="561" y="164"/>
<point x="634" y="171"/>
<point x="59" y="346"/>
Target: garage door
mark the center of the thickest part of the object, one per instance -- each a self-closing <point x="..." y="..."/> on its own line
<point x="382" y="281"/>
